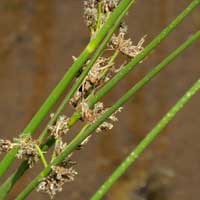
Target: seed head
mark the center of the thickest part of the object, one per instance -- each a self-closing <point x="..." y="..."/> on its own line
<point x="54" y="182"/>
<point x="125" y="46"/>
<point x="95" y="79"/>
<point x="60" y="128"/>
<point x="109" y="5"/>
<point x="27" y="149"/>
<point x="5" y="145"/>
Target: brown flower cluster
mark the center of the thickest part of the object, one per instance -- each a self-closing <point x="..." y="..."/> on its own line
<point x="54" y="182"/>
<point x="60" y="128"/>
<point x="125" y="46"/>
<point x="59" y="175"/>
<point x="27" y="148"/>
<point x="5" y="146"/>
<point x="98" y="75"/>
<point x="91" y="115"/>
<point x="91" y="12"/>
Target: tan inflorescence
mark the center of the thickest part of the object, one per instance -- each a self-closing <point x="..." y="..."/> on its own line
<point x="59" y="174"/>
<point x="60" y="128"/>
<point x="92" y="15"/>
<point x="26" y="148"/>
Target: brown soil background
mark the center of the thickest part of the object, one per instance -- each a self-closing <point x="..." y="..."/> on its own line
<point x="37" y="40"/>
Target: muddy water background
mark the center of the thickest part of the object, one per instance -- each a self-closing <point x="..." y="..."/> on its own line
<point x="37" y="40"/>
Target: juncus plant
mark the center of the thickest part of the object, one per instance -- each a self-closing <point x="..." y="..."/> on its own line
<point x="93" y="74"/>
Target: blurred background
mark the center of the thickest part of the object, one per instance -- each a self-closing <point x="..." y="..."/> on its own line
<point x="37" y="41"/>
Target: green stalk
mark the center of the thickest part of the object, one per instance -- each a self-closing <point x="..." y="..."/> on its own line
<point x="99" y="16"/>
<point x="84" y="134"/>
<point x="42" y="157"/>
<point x="144" y="144"/>
<point x="71" y="73"/>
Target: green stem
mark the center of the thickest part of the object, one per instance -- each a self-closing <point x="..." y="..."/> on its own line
<point x="144" y="144"/>
<point x="71" y="73"/>
<point x="99" y="16"/>
<point x="42" y="157"/>
<point x="84" y="134"/>
<point x="111" y="61"/>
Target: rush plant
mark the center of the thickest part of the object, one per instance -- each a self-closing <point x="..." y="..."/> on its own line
<point x="92" y="75"/>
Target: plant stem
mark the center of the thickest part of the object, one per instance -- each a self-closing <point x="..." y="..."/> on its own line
<point x="42" y="156"/>
<point x="144" y="144"/>
<point x="99" y="16"/>
<point x="71" y="73"/>
<point x="84" y="134"/>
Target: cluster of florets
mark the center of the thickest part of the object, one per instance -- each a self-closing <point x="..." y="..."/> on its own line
<point x="90" y="13"/>
<point x="92" y="115"/>
<point x="54" y="182"/>
<point x="27" y="148"/>
<point x="59" y="175"/>
<point x="97" y="76"/>
<point x="60" y="128"/>
<point x="125" y="46"/>
<point x="5" y="146"/>
<point x="109" y="5"/>
<point x="95" y="10"/>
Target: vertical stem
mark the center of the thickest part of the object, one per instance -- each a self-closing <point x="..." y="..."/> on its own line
<point x="99" y="15"/>
<point x="42" y="156"/>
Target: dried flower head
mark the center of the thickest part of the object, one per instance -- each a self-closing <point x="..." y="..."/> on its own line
<point x="91" y="12"/>
<point x="5" y="145"/>
<point x="125" y="46"/>
<point x="99" y="74"/>
<point x="109" y="5"/>
<point x="60" y="128"/>
<point x="59" y="147"/>
<point x="91" y="115"/>
<point x="107" y="125"/>
<point x="54" y="182"/>
<point x="27" y="149"/>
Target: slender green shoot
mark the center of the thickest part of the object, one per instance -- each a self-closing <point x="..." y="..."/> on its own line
<point x="42" y="157"/>
<point x="99" y="15"/>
